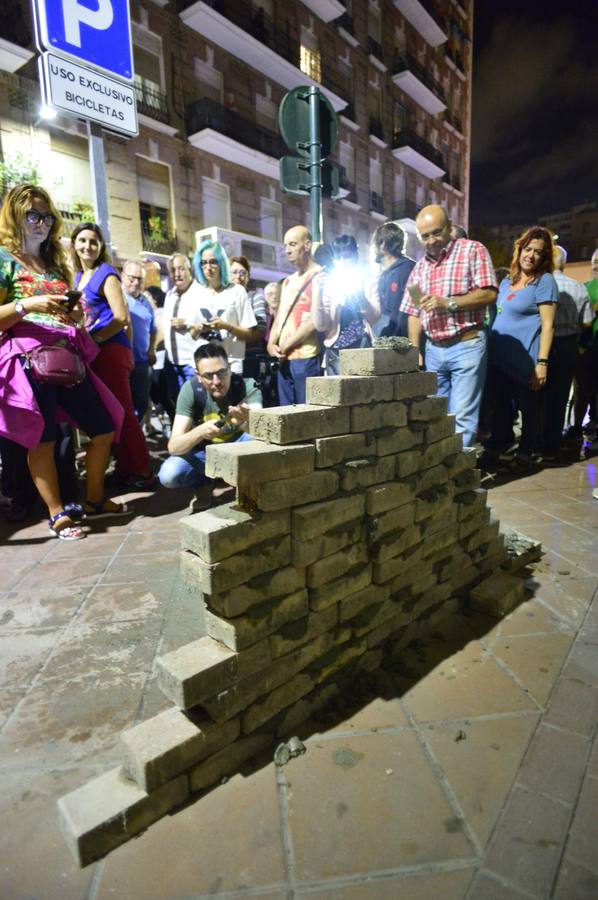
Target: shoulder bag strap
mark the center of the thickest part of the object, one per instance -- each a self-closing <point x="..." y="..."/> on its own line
<point x="295" y="301"/>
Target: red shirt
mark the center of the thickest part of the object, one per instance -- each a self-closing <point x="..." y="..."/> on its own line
<point x="462" y="266"/>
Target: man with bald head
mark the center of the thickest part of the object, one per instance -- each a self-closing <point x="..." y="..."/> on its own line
<point x="456" y="281"/>
<point x="293" y="338"/>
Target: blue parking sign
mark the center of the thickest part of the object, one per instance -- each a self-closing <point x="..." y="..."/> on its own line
<point x="96" y="32"/>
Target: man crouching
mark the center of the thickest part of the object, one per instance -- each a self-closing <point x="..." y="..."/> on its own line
<point x="209" y="410"/>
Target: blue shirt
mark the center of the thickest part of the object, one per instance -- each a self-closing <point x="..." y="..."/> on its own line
<point x="98" y="313"/>
<point x="515" y="332"/>
<point x="143" y="322"/>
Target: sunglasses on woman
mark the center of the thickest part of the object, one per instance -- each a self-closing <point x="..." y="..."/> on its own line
<point x="33" y="217"/>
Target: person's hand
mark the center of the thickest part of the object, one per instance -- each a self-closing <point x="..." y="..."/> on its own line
<point x="432" y="301"/>
<point x="218" y="324"/>
<point x="538" y="377"/>
<point x="179" y="325"/>
<point x="151" y="357"/>
<point x="238" y="415"/>
<point x="54" y="304"/>
<point x="276" y="351"/>
<point x="287" y="346"/>
<point x="77" y="313"/>
<point x="210" y="430"/>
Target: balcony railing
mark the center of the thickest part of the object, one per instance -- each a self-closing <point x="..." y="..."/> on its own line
<point x="376" y="203"/>
<point x="206" y="113"/>
<point x="405" y="62"/>
<point x="430" y="9"/>
<point x="406" y="209"/>
<point x="341" y="85"/>
<point x="454" y="120"/>
<point x="157" y="243"/>
<point x="376" y="128"/>
<point x="375" y="49"/>
<point x="345" y="21"/>
<point x="70" y="220"/>
<point x="346" y="185"/>
<point x="406" y="137"/>
<point x="349" y="111"/>
<point x="13" y="27"/>
<point x="152" y="103"/>
<point x="456" y="58"/>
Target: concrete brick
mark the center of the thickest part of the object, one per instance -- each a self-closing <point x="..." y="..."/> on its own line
<point x="378" y="415"/>
<point x="440" y="428"/>
<point x="296" y="634"/>
<point x="226" y="761"/>
<point x="396" y="543"/>
<point x="450" y="566"/>
<point x="354" y="604"/>
<point x="344" y="390"/>
<point x="373" y="616"/>
<point x="370" y="661"/>
<point x="424" y="583"/>
<point x="481" y="536"/>
<point x="164" y="746"/>
<point x="333" y="591"/>
<point x="336" y="659"/>
<point x="290" y="719"/>
<point x="439" y="540"/>
<point x="307" y="552"/>
<point x="391" y="521"/>
<point x="471" y="502"/>
<point x="279" y="495"/>
<point x="465" y="579"/>
<point x="111" y="809"/>
<point x="245" y="463"/>
<point x="224" y="531"/>
<point x="257" y="590"/>
<point x="384" y="631"/>
<point x="434" y="502"/>
<point x="408" y="462"/>
<point x="460" y="462"/>
<point x="427" y="409"/>
<point x="382" y="497"/>
<point x="429" y="478"/>
<point x="364" y="472"/>
<point x="316" y="518"/>
<point x="203" y="667"/>
<point x="293" y="424"/>
<point x="267" y="707"/>
<point x="394" y="440"/>
<point x="389" y="567"/>
<point x="258" y="622"/>
<point x="521" y="550"/>
<point x="498" y="594"/>
<point x="235" y="570"/>
<point x="469" y="479"/>
<point x="412" y="570"/>
<point x="378" y="361"/>
<point x="336" y="565"/>
<point x="437" y="452"/>
<point x="333" y="450"/>
<point x="475" y="521"/>
<point x="414" y="384"/>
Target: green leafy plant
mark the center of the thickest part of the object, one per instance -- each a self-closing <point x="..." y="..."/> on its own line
<point x="18" y="169"/>
<point x="84" y="209"/>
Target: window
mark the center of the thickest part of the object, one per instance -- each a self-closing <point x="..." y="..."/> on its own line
<point x="375" y="177"/>
<point x="310" y="59"/>
<point x="346" y="155"/>
<point x="375" y="23"/>
<point x="270" y="220"/>
<point x="210" y="81"/>
<point x="69" y="160"/>
<point x="400" y="189"/>
<point x="265" y="112"/>
<point x="215" y="204"/>
<point x="153" y="190"/>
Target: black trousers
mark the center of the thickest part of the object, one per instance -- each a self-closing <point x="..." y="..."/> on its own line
<point x="561" y="369"/>
<point x="504" y="394"/>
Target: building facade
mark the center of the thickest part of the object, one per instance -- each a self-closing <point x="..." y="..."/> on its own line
<point x="209" y="80"/>
<point x="576" y="230"/>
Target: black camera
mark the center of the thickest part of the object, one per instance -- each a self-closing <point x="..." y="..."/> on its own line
<point x="259" y="367"/>
<point x="211" y="335"/>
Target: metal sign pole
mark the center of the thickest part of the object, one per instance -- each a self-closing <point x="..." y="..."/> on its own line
<point x="98" y="179"/>
<point x="315" y="164"/>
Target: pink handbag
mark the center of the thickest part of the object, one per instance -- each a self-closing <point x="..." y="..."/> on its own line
<point x="57" y="364"/>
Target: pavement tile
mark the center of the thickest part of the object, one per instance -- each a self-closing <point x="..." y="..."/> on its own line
<point x="39" y="608"/>
<point x="64" y="573"/>
<point x="555" y="764"/>
<point x="227" y="840"/>
<point x="119" y="603"/>
<point x="536" y="660"/>
<point x="378" y="713"/>
<point x="368" y="802"/>
<point x="427" y="886"/>
<point x="575" y="882"/>
<point x="158" y="567"/>
<point x="525" y="848"/>
<point x="23" y="654"/>
<point x="150" y="542"/>
<point x="95" y="545"/>
<point x="530" y="617"/>
<point x="568" y="595"/>
<point x="573" y="706"/>
<point x="466" y="684"/>
<point x="589" y="632"/>
<point x="583" y="837"/>
<point x="481" y="767"/>
<point x="14" y="572"/>
<point x="583" y="663"/>
<point x="484" y="887"/>
<point x="593" y="764"/>
<point x="8" y="702"/>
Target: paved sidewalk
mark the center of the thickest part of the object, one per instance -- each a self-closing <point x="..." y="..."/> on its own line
<point x="472" y="774"/>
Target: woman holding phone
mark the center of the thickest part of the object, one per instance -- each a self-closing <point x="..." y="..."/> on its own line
<point x="37" y="313"/>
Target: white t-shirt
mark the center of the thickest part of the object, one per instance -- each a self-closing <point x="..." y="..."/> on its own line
<point x="231" y="304"/>
<point x="181" y="347"/>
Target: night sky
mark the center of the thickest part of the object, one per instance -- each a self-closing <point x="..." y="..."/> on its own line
<point x="535" y="108"/>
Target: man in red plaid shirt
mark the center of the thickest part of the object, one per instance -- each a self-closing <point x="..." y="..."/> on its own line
<point x="457" y="282"/>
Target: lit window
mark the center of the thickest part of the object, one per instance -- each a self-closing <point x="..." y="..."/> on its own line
<point x="310" y="59"/>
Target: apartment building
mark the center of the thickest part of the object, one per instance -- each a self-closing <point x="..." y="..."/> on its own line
<point x="210" y="75"/>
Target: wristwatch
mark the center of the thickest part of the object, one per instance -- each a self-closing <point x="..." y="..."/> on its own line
<point x="453" y="306"/>
<point x="19" y="308"/>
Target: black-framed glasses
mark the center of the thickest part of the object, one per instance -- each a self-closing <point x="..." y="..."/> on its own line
<point x="33" y="217"/>
<point x="220" y="374"/>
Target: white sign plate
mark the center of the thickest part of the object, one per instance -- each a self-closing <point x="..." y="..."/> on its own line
<point x="88" y="94"/>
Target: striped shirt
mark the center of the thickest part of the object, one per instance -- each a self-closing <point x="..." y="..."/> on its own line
<point x="462" y="266"/>
<point x="573" y="307"/>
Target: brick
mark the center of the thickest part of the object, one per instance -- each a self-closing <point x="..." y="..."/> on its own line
<point x="394" y="440"/>
<point x="414" y="384"/>
<point x="378" y="361"/>
<point x="439" y="540"/>
<point x="412" y="568"/>
<point x="373" y="616"/>
<point x="244" y="463"/>
<point x="356" y="474"/>
<point x="394" y="519"/>
<point x="203" y="667"/>
<point x="441" y="428"/>
<point x="429" y="478"/>
<point x="378" y="415"/>
<point x="279" y="495"/>
<point x="226" y="761"/>
<point x="349" y="390"/>
<point x="296" y="634"/>
<point x="451" y="566"/>
<point x="469" y="479"/>
<point x="389" y="567"/>
<point x="407" y="462"/>
<point x="395" y="544"/>
<point x="475" y="521"/>
<point x="427" y="409"/>
<point x="267" y="707"/>
<point x="423" y="583"/>
<point x="371" y="660"/>
<point x="498" y="594"/>
<point x="333" y="591"/>
<point x="333" y="450"/>
<point x="166" y="745"/>
<point x="316" y="518"/>
<point x="111" y="809"/>
<point x="337" y="659"/>
<point x="382" y="497"/>
<point x="293" y="424"/>
<point x="384" y="631"/>
<point x="224" y="531"/>
<point x="336" y="565"/>
<point x="235" y="570"/>
<point x="481" y="536"/>
<point x="437" y="452"/>
<point x="291" y="718"/>
<point x="434" y="502"/>
<point x="460" y="462"/>
<point x="521" y="550"/>
<point x="257" y="623"/>
<point x="307" y="552"/>
<point x="258" y="589"/>
<point x="360" y="600"/>
<point x="471" y="502"/>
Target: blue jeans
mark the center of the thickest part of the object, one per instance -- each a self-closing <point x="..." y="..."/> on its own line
<point x="176" y="376"/>
<point x="188" y="471"/>
<point x="291" y="379"/>
<point x="460" y="371"/>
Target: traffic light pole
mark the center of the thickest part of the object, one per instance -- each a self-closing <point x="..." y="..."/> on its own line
<point x="315" y="165"/>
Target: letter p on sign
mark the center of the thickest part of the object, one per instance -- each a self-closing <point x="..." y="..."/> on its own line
<point x="75" y="14"/>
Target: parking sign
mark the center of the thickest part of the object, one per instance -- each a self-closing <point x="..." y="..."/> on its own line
<point x="97" y="33"/>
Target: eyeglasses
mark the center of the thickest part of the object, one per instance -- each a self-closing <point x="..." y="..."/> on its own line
<point x="134" y="277"/>
<point x="220" y="374"/>
<point x="209" y="262"/>
<point x="435" y="233"/>
<point x="33" y="217"/>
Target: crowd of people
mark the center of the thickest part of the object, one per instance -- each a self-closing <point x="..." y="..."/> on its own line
<point x="85" y="346"/>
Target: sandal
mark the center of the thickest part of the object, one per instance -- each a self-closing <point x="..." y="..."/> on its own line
<point x="67" y="532"/>
<point x="99" y="511"/>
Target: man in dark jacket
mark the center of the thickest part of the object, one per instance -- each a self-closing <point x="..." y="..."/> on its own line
<point x="389" y="243"/>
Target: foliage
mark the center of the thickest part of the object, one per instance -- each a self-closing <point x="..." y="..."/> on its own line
<point x="85" y="210"/>
<point x="18" y="169"/>
<point x="500" y="253"/>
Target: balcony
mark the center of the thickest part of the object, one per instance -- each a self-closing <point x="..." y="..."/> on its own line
<point x="421" y="14"/>
<point x="406" y="209"/>
<point x="326" y="10"/>
<point x="157" y="243"/>
<point x="152" y="107"/>
<point x="454" y="123"/>
<point x="456" y="62"/>
<point x="227" y="134"/>
<point x="346" y="29"/>
<point x="376" y="131"/>
<point x="376" y="53"/>
<point x="16" y="38"/>
<point x="409" y="75"/>
<point x="253" y="38"/>
<point x="377" y="206"/>
<point x="348" y="192"/>
<point x="267" y="258"/>
<point x="417" y="153"/>
<point x="70" y="220"/>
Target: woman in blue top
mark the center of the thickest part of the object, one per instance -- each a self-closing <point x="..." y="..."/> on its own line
<point x="520" y="341"/>
<point x="108" y="322"/>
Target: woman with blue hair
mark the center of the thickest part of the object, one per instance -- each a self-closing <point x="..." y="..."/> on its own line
<point x="226" y="315"/>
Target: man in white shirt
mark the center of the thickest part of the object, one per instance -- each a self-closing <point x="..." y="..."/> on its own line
<point x="181" y="314"/>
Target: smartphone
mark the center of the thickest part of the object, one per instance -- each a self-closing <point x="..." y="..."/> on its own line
<point x="72" y="297"/>
<point x="416" y="294"/>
